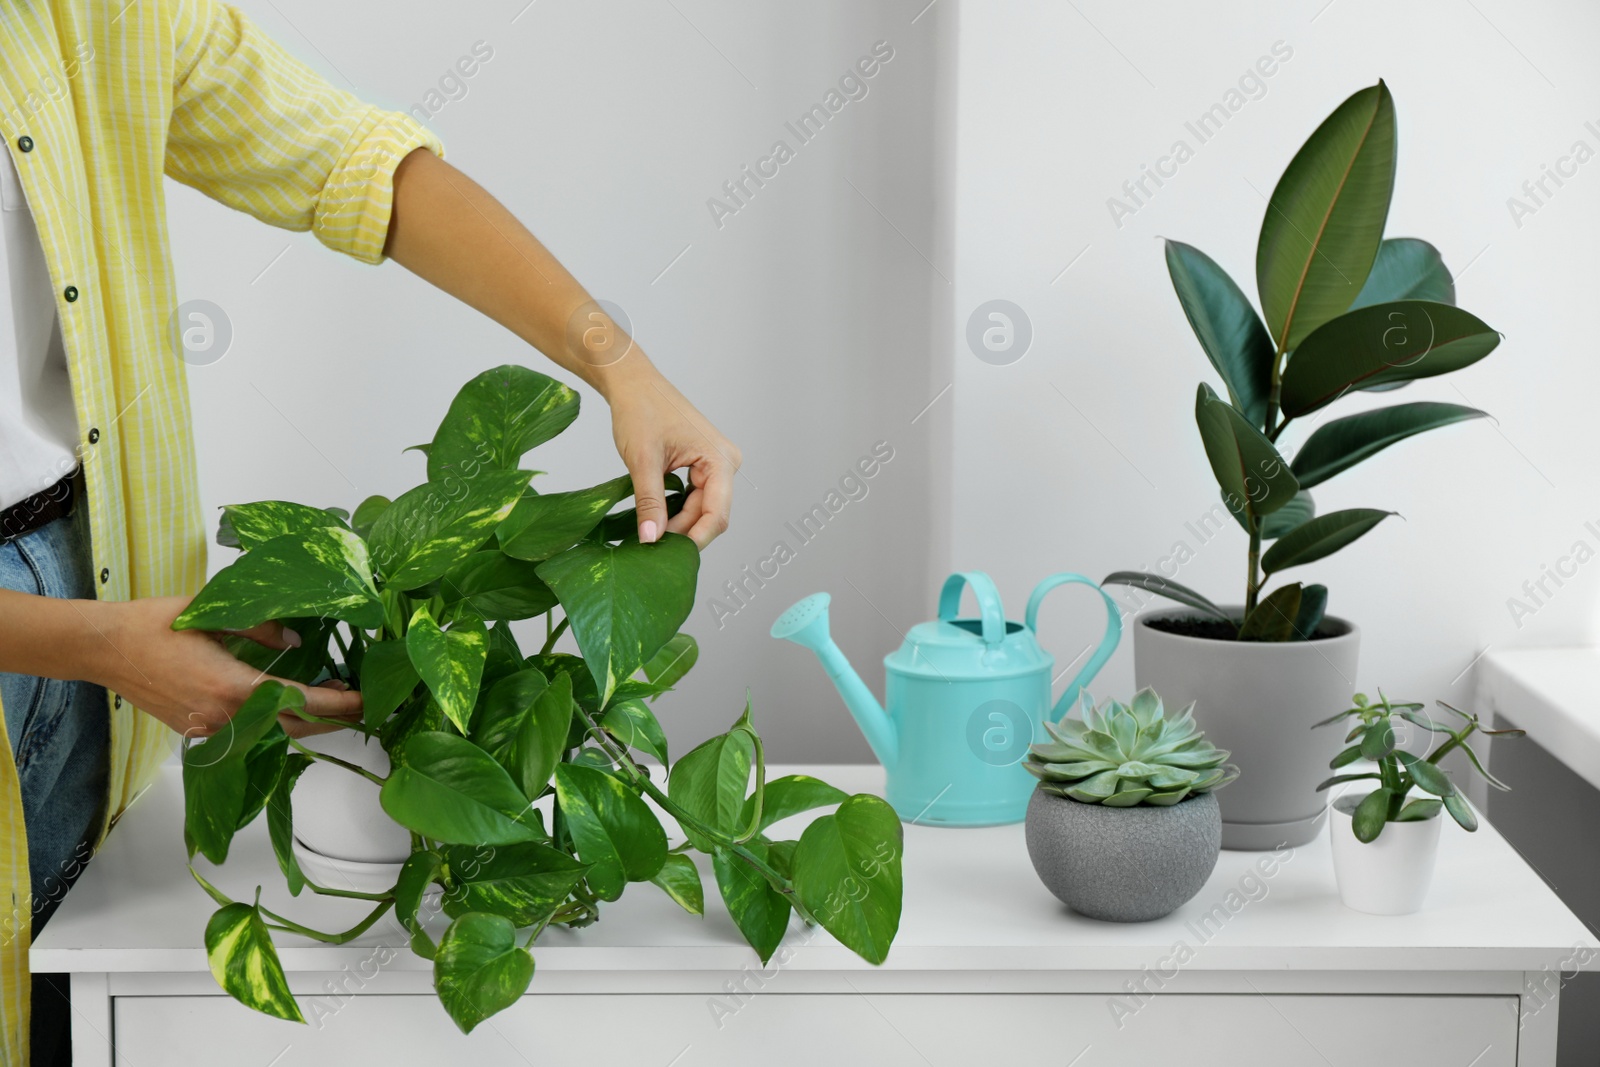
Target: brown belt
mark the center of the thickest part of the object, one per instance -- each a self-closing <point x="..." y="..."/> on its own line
<point x="26" y="516"/>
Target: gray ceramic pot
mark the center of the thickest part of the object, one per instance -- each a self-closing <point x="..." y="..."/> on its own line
<point x="1258" y="701"/>
<point x="1123" y="865"/>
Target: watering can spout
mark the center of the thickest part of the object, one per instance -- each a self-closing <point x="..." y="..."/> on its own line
<point x="806" y="624"/>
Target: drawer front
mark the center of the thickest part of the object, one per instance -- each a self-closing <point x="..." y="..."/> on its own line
<point x="837" y="1030"/>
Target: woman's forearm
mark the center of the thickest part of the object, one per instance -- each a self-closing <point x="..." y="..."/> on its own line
<point x="46" y="636"/>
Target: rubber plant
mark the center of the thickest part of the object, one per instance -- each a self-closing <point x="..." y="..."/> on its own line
<point x="1344" y="311"/>
<point x="518" y="776"/>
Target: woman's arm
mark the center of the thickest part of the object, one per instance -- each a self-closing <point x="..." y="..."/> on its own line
<point x="447" y="229"/>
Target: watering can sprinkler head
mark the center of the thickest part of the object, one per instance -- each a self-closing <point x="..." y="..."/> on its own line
<point x="806" y="623"/>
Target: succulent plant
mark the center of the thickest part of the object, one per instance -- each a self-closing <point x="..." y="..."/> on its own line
<point x="1121" y="755"/>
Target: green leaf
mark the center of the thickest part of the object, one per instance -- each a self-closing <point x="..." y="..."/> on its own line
<point x="1280" y="522"/>
<point x="494" y="586"/>
<point x="675" y="659"/>
<point x="280" y="821"/>
<point x="387" y="680"/>
<point x="1370" y="815"/>
<point x="418" y="715"/>
<point x="709" y="783"/>
<point x="1395" y="342"/>
<point x="1227" y="326"/>
<point x="367" y="513"/>
<point x="245" y="964"/>
<point x="1460" y="811"/>
<point x="1430" y="779"/>
<point x="449" y="661"/>
<point x="1324" y="221"/>
<point x="524" y="726"/>
<point x="496" y="418"/>
<point x="263" y="765"/>
<point x="625" y="601"/>
<point x="788" y="796"/>
<point x="1322" y="536"/>
<point x="1248" y="468"/>
<point x="1340" y="779"/>
<point x="679" y="878"/>
<point x="320" y="572"/>
<point x="1378" y="741"/>
<point x="303" y="664"/>
<point x="1274" y="617"/>
<point x="416" y="875"/>
<point x="449" y="789"/>
<point x="1342" y="443"/>
<point x="759" y="911"/>
<point x="214" y="777"/>
<point x="635" y="725"/>
<point x="525" y="882"/>
<point x="480" y="969"/>
<point x="615" y="832"/>
<point x="504" y="657"/>
<point x="430" y="529"/>
<point x="1154" y="583"/>
<point x="1407" y="269"/>
<point x="847" y="872"/>
<point x="256" y="524"/>
<point x="1419" y="809"/>
<point x="543" y="524"/>
<point x="1345" y="758"/>
<point x="1313" y="606"/>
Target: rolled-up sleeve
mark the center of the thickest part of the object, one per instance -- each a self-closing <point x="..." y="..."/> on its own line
<point x="258" y="130"/>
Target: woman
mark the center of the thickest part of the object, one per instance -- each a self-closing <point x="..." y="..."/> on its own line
<point x="101" y="538"/>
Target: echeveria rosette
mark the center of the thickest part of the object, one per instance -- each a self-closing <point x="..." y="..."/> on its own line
<point x="1121" y="755"/>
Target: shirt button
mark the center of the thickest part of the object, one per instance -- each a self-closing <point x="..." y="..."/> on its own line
<point x="117" y="702"/>
<point x="71" y="293"/>
<point x="105" y="575"/>
<point x="25" y="143"/>
<point x="94" y="435"/>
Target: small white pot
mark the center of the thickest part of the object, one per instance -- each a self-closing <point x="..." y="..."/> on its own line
<point x="1389" y="876"/>
<point x="337" y="812"/>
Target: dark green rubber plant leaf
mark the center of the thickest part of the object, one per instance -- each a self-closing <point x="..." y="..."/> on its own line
<point x="543" y="524"/>
<point x="449" y="661"/>
<point x="679" y="878"/>
<point x="1313" y="606"/>
<point x="525" y="882"/>
<point x="1154" y="583"/>
<point x="1322" y="536"/>
<point x="1228" y="328"/>
<point x="215" y="782"/>
<point x="280" y="821"/>
<point x="1274" y="617"/>
<point x="496" y="418"/>
<point x="318" y="572"/>
<point x="1247" y="466"/>
<point x="1341" y="444"/>
<point x="1407" y="268"/>
<point x="1280" y="522"/>
<point x="432" y="528"/>
<point x="479" y="969"/>
<point x="257" y="523"/>
<point x="493" y="586"/>
<point x="245" y="964"/>
<point x="1400" y="341"/>
<point x="1324" y="221"/>
<point x="449" y="789"/>
<point x="846" y="870"/>
<point x="625" y="601"/>
<point x="759" y="911"/>
<point x="387" y="680"/>
<point x="616" y="832"/>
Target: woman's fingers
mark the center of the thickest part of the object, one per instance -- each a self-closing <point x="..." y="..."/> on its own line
<point x="714" y="478"/>
<point x="273" y="635"/>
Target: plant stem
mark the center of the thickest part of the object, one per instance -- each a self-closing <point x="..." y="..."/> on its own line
<point x="324" y="757"/>
<point x="554" y="636"/>
<point x="290" y="926"/>
<point x="1252" y="588"/>
<point x="351" y="893"/>
<point x="344" y="649"/>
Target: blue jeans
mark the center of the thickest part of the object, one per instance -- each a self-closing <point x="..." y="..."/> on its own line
<point x="60" y="732"/>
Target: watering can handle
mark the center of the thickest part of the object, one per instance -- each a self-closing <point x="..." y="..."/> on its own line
<point x="1108" y="643"/>
<point x="994" y="617"/>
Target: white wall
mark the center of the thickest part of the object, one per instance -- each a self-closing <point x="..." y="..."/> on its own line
<point x="802" y="326"/>
<point x="1060" y="104"/>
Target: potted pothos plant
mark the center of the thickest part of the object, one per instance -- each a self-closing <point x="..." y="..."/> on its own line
<point x="1344" y="313"/>
<point x="516" y="778"/>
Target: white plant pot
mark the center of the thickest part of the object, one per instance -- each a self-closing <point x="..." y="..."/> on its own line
<point x="336" y="812"/>
<point x="1389" y="876"/>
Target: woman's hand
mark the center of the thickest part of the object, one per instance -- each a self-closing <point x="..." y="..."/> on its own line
<point x="656" y="431"/>
<point x="186" y="678"/>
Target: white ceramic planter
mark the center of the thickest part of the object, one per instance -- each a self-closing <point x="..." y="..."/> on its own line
<point x="1389" y="876"/>
<point x="337" y="814"/>
<point x="1259" y="701"/>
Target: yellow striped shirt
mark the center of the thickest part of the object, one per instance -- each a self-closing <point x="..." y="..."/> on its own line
<point x="112" y="94"/>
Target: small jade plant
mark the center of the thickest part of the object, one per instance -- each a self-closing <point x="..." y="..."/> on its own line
<point x="515" y="774"/>
<point x="1121" y="755"/>
<point x="1399" y="772"/>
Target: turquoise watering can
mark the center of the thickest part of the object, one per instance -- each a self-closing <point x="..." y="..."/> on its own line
<point x="965" y="696"/>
